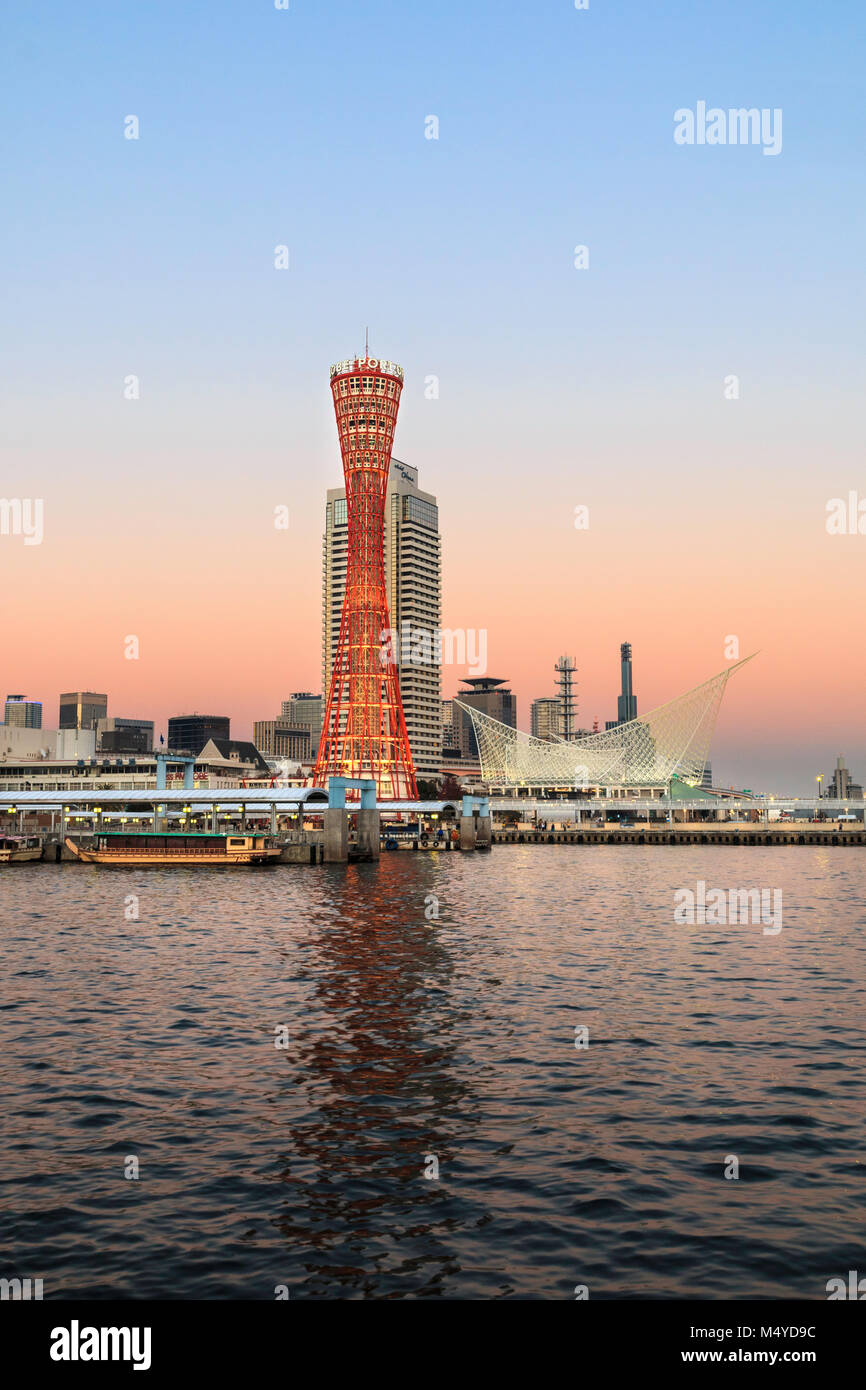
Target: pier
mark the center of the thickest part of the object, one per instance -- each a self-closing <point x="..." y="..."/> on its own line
<point x="312" y="825"/>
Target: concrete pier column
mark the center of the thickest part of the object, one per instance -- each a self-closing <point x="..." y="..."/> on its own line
<point x="214" y="822"/>
<point x="483" y="835"/>
<point x="336" y="835"/>
<point x="467" y="831"/>
<point x="368" y="834"/>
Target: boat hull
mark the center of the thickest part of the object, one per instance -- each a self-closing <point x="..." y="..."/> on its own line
<point x="159" y="858"/>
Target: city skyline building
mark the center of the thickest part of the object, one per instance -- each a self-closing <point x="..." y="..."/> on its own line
<point x="841" y="784"/>
<point x="450" y="726"/>
<point x="364" y="729"/>
<point x="412" y="564"/>
<point x="487" y="696"/>
<point x="21" y="713"/>
<point x="626" y="701"/>
<point x="565" y="672"/>
<point x="305" y="710"/>
<point x="82" y="709"/>
<point x="545" y="717"/>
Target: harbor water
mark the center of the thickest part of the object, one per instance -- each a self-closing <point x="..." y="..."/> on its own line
<point x="512" y="1075"/>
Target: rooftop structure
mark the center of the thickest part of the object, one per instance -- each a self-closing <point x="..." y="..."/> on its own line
<point x="671" y="740"/>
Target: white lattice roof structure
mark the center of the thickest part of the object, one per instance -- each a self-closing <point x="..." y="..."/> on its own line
<point x="645" y="752"/>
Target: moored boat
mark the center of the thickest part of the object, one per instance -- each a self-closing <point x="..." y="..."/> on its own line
<point x="17" y="849"/>
<point x="174" y="847"/>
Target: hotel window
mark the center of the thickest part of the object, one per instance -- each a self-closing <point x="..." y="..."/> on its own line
<point x="424" y="513"/>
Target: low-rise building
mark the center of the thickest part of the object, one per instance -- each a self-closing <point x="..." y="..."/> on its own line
<point x="19" y="742"/>
<point x="121" y="734"/>
<point x="222" y="763"/>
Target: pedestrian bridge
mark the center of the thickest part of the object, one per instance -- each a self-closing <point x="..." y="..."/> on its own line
<point x="274" y="803"/>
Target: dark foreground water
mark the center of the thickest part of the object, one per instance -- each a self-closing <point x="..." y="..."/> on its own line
<point x="413" y="1041"/>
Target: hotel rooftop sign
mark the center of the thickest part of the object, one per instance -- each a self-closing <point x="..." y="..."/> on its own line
<point x="373" y="364"/>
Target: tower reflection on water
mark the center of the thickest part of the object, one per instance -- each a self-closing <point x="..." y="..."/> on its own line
<point x="371" y="1095"/>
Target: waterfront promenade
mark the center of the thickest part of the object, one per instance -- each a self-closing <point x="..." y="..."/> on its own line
<point x="692" y="833"/>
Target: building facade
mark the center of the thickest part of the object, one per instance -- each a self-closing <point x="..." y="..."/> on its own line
<point x="121" y="734"/>
<point x="125" y="741"/>
<point x="280" y="738"/>
<point x="82" y="709"/>
<point x="21" y="713"/>
<point x="188" y="733"/>
<point x="412" y="552"/>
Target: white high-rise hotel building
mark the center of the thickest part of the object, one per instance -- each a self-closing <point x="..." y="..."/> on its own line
<point x="414" y="588"/>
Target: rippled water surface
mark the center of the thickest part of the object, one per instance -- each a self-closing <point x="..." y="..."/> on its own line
<point x="413" y="1039"/>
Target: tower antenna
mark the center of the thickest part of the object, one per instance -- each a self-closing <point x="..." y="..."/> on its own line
<point x="366" y="342"/>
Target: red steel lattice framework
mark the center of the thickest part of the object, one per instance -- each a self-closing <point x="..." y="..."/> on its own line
<point x="364" y="729"/>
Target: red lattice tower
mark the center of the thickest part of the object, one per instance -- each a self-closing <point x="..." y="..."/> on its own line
<point x="364" y="729"/>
